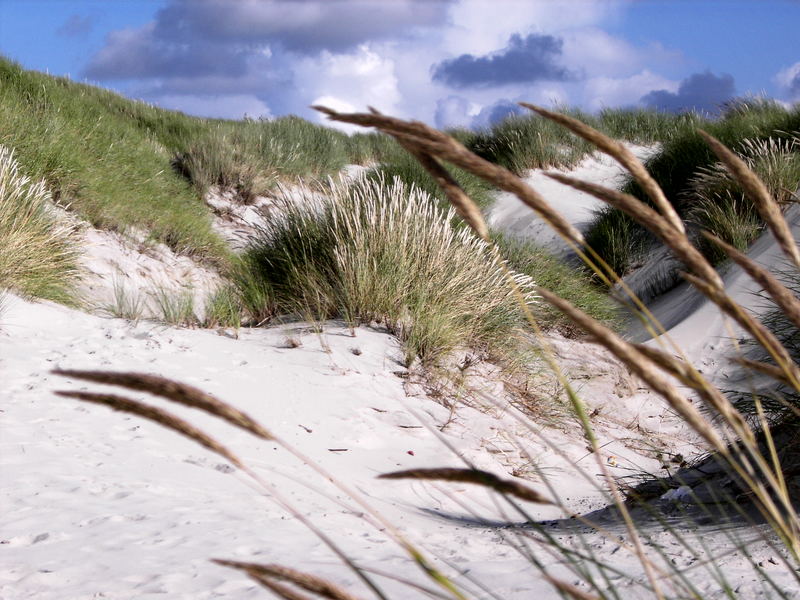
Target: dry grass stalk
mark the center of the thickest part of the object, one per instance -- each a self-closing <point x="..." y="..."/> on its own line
<point x="759" y="194"/>
<point x="463" y="204"/>
<point x="476" y="476"/>
<point x="750" y="324"/>
<point x="780" y="294"/>
<point x="435" y="143"/>
<point x="311" y="583"/>
<point x="772" y="371"/>
<point x="640" y="366"/>
<point x="279" y="589"/>
<point x="647" y="217"/>
<point x="180" y="393"/>
<point x="689" y="376"/>
<point x="157" y="415"/>
<point x="625" y="157"/>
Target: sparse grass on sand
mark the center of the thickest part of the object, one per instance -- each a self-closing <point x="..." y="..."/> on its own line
<point x="38" y="253"/>
<point x="223" y="308"/>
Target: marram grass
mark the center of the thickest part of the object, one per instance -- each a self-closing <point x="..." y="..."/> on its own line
<point x="381" y="251"/>
<point x="38" y="252"/>
<point x="300" y="253"/>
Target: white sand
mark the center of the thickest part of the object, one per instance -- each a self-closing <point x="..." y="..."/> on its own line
<point x="510" y="215"/>
<point x="97" y="504"/>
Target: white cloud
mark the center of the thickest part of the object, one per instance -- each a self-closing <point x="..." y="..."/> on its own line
<point x="455" y="111"/>
<point x="232" y="106"/>
<point x="288" y="54"/>
<point x="358" y="79"/>
<point x="481" y="26"/>
<point x="602" y="92"/>
<point x="789" y="81"/>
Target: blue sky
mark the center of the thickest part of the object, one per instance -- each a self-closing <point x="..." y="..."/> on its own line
<point x="448" y="62"/>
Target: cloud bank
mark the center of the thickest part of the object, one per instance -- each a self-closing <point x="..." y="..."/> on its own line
<point x="524" y="60"/>
<point x="701" y="92"/>
<point x="457" y="63"/>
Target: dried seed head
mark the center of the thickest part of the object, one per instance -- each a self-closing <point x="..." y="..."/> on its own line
<point x="157" y="415"/>
<point x="174" y="391"/>
<point x="476" y="476"/>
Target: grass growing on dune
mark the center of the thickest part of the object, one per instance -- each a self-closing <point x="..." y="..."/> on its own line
<point x="397" y="163"/>
<point x="523" y="142"/>
<point x="683" y="159"/>
<point x="124" y="164"/>
<point x="381" y="251"/>
<point x="38" y="254"/>
<point x="566" y="281"/>
<point x="720" y="205"/>
<point x="102" y="166"/>
<point x="310" y="244"/>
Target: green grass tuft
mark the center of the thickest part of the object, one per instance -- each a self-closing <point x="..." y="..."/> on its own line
<point x="683" y="158"/>
<point x="383" y="251"/>
<point x="38" y="254"/>
<point x="223" y="308"/>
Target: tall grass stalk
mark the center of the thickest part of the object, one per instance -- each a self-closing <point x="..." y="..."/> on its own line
<point x="760" y="473"/>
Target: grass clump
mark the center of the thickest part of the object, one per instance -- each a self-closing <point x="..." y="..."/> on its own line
<point x="527" y="142"/>
<point x="399" y="164"/>
<point x="223" y="308"/>
<point x="251" y="157"/>
<point x="38" y="254"/>
<point x="523" y="142"/>
<point x="125" y="303"/>
<point x="174" y="307"/>
<point x="686" y="165"/>
<point x="721" y="206"/>
<point x="385" y="252"/>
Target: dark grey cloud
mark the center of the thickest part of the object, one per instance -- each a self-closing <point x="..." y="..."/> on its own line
<point x="76" y="26"/>
<point x="305" y="26"/>
<point x="211" y="37"/>
<point x="497" y="112"/>
<point x="140" y="54"/>
<point x="525" y="60"/>
<point x="702" y="92"/>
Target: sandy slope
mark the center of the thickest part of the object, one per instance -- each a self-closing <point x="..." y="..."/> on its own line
<point x="511" y="216"/>
<point x="96" y="504"/>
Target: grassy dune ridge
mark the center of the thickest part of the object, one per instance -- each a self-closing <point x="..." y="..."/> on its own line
<point x="121" y="164"/>
<point x="682" y="159"/>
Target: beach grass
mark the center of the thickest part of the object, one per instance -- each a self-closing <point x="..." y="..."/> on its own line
<point x="39" y="251"/>
<point x="684" y="157"/>
<point x="122" y="164"/>
<point x="379" y="251"/>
